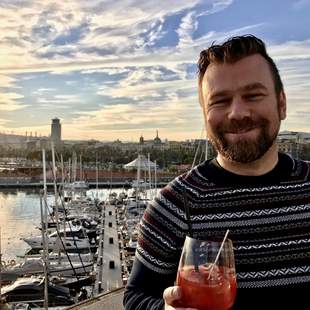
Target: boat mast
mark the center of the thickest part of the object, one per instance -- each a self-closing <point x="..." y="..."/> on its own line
<point x="150" y="175"/>
<point x="56" y="197"/>
<point x="96" y="175"/>
<point x="44" y="232"/>
<point x="62" y="175"/>
<point x="0" y="267"/>
<point x="69" y="171"/>
<point x="138" y="180"/>
<point x="155" y="177"/>
<point x="74" y="164"/>
<point x="81" y="172"/>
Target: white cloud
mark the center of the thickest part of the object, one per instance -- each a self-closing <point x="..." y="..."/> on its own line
<point x="8" y="101"/>
<point x="109" y="25"/>
<point x="172" y="116"/>
<point x="7" y="81"/>
<point x="187" y="28"/>
<point x="119" y="38"/>
<point x="43" y="90"/>
<point x="4" y="122"/>
<point x="109" y="71"/>
<point x="291" y="50"/>
<point x="144" y="91"/>
<point x="62" y="100"/>
<point x="217" y="6"/>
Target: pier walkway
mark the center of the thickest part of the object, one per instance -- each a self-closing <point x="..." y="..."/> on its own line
<point x="106" y="301"/>
<point x="112" y="273"/>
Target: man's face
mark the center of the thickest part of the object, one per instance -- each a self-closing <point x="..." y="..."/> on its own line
<point x="241" y="109"/>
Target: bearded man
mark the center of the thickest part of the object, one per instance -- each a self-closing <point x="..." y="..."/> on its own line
<point x="260" y="195"/>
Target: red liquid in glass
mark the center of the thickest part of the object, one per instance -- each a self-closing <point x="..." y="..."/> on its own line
<point x="200" y="291"/>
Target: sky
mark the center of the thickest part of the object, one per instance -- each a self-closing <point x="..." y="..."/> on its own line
<point x="119" y="69"/>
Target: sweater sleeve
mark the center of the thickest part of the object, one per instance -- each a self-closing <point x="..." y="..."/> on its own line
<point x="145" y="288"/>
<point x="160" y="241"/>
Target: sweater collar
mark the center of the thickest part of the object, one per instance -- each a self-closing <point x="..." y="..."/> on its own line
<point x="218" y="175"/>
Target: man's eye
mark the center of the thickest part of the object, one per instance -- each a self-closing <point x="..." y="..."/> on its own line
<point x="219" y="101"/>
<point x="254" y="96"/>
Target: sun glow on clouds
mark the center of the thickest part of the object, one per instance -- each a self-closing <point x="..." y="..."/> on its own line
<point x="137" y="85"/>
<point x="128" y="118"/>
<point x="8" y="102"/>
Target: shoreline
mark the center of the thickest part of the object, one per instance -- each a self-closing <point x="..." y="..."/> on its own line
<point x="19" y="185"/>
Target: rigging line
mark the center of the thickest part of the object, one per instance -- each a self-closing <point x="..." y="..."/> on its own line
<point x="201" y="154"/>
<point x="62" y="243"/>
<point x="79" y="254"/>
<point x="184" y="193"/>
<point x="74" y="240"/>
<point x="84" y="234"/>
<point x="197" y="150"/>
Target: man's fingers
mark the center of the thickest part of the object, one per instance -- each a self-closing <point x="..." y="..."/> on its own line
<point x="171" y="294"/>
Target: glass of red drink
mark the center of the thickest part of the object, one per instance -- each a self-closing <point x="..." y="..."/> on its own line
<point x="207" y="274"/>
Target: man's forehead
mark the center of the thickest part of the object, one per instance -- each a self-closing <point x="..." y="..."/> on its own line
<point x="248" y="63"/>
<point x="245" y="73"/>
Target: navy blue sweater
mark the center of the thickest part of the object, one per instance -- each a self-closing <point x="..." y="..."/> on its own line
<point x="269" y="221"/>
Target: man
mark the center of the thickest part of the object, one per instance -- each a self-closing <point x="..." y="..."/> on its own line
<point x="260" y="195"/>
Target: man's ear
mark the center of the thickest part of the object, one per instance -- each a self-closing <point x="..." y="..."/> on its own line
<point x="282" y="105"/>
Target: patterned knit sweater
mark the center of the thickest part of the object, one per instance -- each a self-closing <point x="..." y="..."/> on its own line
<point x="269" y="221"/>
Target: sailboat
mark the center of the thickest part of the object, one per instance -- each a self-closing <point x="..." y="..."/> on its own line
<point x="31" y="291"/>
<point x="74" y="239"/>
<point x="76" y="185"/>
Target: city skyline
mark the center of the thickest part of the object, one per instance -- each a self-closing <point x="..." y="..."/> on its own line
<point x="115" y="70"/>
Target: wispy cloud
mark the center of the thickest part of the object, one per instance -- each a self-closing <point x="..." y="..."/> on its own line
<point x="291" y="50"/>
<point x="6" y="81"/>
<point x="136" y="59"/>
<point x="8" y="102"/>
<point x="173" y="113"/>
<point x="62" y="101"/>
<point x="187" y="28"/>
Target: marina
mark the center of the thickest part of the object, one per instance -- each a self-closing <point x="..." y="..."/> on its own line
<point x="101" y="266"/>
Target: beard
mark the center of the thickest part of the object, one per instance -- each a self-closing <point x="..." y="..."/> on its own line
<point x="244" y="150"/>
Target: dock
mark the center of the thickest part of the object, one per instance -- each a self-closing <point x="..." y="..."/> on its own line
<point x="112" y="274"/>
<point x="106" y="301"/>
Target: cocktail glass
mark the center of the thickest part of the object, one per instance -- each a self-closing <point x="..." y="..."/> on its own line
<point x="207" y="274"/>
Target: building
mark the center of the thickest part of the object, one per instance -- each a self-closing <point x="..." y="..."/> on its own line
<point x="56" y="131"/>
<point x="157" y="140"/>
<point x="141" y="140"/>
<point x="12" y="141"/>
<point x="293" y="142"/>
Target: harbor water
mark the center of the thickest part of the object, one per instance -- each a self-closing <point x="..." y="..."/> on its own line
<point x="20" y="217"/>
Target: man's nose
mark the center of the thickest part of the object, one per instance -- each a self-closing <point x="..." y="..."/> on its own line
<point x="239" y="109"/>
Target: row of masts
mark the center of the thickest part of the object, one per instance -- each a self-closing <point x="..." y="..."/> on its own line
<point x="44" y="209"/>
<point x="59" y="195"/>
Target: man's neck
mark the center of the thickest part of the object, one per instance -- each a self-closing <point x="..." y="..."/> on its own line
<point x="258" y="167"/>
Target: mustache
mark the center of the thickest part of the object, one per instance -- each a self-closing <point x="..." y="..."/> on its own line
<point x="236" y="126"/>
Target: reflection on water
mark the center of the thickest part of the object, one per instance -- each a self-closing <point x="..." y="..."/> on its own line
<point x="20" y="216"/>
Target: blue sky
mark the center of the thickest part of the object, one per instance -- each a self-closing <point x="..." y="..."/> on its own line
<point x="118" y="69"/>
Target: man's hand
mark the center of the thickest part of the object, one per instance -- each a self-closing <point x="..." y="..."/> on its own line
<point x="171" y="296"/>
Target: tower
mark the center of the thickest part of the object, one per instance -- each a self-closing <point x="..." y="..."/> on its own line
<point x="157" y="140"/>
<point x="56" y="131"/>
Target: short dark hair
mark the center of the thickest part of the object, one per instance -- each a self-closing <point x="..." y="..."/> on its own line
<point x="231" y="51"/>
